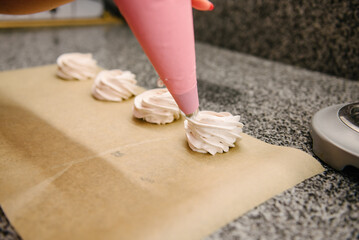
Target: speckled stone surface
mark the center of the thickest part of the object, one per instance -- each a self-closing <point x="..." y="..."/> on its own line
<point x="276" y="102"/>
<point x="321" y="35"/>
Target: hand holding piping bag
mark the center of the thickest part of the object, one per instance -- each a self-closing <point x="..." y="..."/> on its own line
<point x="164" y="29"/>
<point x="202" y="5"/>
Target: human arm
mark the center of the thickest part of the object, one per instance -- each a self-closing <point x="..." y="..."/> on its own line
<point x="29" y="6"/>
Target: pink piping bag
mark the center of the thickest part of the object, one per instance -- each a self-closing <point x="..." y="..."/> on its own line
<point x="164" y="29"/>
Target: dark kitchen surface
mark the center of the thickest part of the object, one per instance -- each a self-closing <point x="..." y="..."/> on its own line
<point x="321" y="35"/>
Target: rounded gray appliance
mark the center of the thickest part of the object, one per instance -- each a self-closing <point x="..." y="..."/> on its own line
<point x="335" y="134"/>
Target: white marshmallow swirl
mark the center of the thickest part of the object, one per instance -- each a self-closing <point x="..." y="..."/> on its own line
<point x="156" y="106"/>
<point x="212" y="132"/>
<point x="76" y="66"/>
<point x="115" y="85"/>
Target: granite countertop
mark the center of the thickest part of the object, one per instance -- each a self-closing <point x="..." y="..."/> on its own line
<point x="276" y="103"/>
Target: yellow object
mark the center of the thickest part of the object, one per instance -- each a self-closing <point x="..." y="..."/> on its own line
<point x="106" y="19"/>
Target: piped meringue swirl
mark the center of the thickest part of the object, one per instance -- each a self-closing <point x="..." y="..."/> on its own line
<point x="114" y="85"/>
<point x="76" y="66"/>
<point x="212" y="132"/>
<point x="156" y="106"/>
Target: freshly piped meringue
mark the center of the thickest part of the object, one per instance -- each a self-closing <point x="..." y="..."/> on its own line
<point x="76" y="66"/>
<point x="115" y="85"/>
<point x="212" y="132"/>
<point x="156" y="106"/>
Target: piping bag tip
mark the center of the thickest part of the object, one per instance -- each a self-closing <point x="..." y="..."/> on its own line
<point x="192" y="115"/>
<point x="188" y="101"/>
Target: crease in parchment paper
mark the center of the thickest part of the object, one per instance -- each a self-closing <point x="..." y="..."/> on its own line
<point x="16" y="204"/>
<point x="115" y="151"/>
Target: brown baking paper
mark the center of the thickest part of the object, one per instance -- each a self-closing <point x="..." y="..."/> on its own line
<point x="72" y="167"/>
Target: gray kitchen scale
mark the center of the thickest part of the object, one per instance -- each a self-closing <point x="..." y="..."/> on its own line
<point x="335" y="134"/>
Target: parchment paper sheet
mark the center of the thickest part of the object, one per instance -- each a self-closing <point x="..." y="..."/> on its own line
<point x="72" y="167"/>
